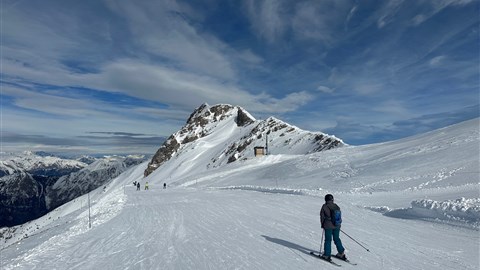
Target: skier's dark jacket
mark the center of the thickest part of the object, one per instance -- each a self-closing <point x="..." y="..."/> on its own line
<point x="325" y="215"/>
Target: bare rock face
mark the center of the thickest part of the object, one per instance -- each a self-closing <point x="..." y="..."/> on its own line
<point x="243" y="118"/>
<point x="164" y="153"/>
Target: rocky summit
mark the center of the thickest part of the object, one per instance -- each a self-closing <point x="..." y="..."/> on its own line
<point x="227" y="133"/>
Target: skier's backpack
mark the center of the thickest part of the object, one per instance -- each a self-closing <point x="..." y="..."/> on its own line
<point x="336" y="216"/>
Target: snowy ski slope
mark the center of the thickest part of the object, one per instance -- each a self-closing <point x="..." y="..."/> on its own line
<point x="414" y="203"/>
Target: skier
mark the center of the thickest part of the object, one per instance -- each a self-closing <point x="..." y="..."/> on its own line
<point x="164" y="185"/>
<point x="331" y="230"/>
<point x="138" y="185"/>
<point x="146" y="185"/>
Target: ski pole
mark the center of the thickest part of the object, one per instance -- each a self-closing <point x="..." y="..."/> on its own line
<point x="321" y="242"/>
<point x="354" y="240"/>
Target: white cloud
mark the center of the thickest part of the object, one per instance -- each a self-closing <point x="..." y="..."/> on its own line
<point x="169" y="60"/>
<point x="436" y="61"/>
<point x="249" y="57"/>
<point x="52" y="104"/>
<point x="434" y="7"/>
<point x="290" y="102"/>
<point x="325" y="89"/>
<point x="181" y="90"/>
<point x="420" y="18"/>
<point x="160" y="28"/>
<point x="351" y="13"/>
<point x="266" y="18"/>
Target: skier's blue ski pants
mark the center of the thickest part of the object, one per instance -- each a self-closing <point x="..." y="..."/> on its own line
<point x="335" y="233"/>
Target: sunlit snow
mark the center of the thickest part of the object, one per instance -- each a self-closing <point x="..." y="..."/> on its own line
<point x="414" y="203"/>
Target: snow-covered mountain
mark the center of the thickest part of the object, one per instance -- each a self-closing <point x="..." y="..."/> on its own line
<point x="414" y="203"/>
<point x="86" y="159"/>
<point x="226" y="133"/>
<point x="32" y="184"/>
<point x="71" y="186"/>
<point x="42" y="164"/>
<point x="21" y="198"/>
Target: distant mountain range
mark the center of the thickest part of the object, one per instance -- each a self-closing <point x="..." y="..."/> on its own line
<point x="226" y="133"/>
<point x="32" y="184"/>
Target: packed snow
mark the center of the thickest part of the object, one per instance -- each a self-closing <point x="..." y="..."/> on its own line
<point x="414" y="203"/>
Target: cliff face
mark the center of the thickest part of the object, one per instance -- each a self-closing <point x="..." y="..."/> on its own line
<point x="232" y="133"/>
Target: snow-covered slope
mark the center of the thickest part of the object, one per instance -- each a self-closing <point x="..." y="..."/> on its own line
<point x="98" y="173"/>
<point x="38" y="164"/>
<point x="413" y="203"/>
<point x="222" y="134"/>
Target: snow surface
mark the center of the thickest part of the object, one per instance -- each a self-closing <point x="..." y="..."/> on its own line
<point x="414" y="203"/>
<point x="29" y="161"/>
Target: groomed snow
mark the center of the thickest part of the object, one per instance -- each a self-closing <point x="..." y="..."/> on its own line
<point x="414" y="203"/>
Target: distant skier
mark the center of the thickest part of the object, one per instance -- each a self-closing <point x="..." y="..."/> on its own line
<point x="146" y="185"/>
<point x="138" y="185"/>
<point x="330" y="218"/>
<point x="164" y="185"/>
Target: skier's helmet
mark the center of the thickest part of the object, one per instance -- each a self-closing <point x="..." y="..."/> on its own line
<point x="328" y="197"/>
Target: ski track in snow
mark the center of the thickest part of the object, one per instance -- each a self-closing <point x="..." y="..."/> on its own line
<point x="414" y="203"/>
<point x="237" y="229"/>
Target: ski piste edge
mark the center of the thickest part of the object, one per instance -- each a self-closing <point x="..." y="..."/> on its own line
<point x="320" y="257"/>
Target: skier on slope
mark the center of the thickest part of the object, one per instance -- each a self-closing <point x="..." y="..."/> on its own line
<point x="138" y="185"/>
<point x="146" y="186"/>
<point x="330" y="219"/>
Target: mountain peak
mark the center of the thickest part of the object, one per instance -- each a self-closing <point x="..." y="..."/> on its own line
<point x="229" y="133"/>
<point x="207" y="114"/>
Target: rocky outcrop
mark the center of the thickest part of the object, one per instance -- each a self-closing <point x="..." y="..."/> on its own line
<point x="244" y="118"/>
<point x="164" y="153"/>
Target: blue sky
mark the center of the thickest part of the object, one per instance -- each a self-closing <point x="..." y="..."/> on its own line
<point x="104" y="76"/>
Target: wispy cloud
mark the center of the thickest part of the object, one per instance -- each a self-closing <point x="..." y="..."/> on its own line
<point x="267" y="18"/>
<point x="142" y="67"/>
<point x="325" y="89"/>
<point x="124" y="144"/>
<point x="437" y="60"/>
<point x="323" y="21"/>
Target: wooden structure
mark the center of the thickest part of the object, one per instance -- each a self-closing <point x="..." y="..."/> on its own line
<point x="259" y="151"/>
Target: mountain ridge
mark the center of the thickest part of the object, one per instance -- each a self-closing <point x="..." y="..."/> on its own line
<point x="234" y="133"/>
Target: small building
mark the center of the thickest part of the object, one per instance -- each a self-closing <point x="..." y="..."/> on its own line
<point x="259" y="151"/>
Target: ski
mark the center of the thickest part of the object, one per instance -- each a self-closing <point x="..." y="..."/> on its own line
<point x="321" y="258"/>
<point x="347" y="260"/>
